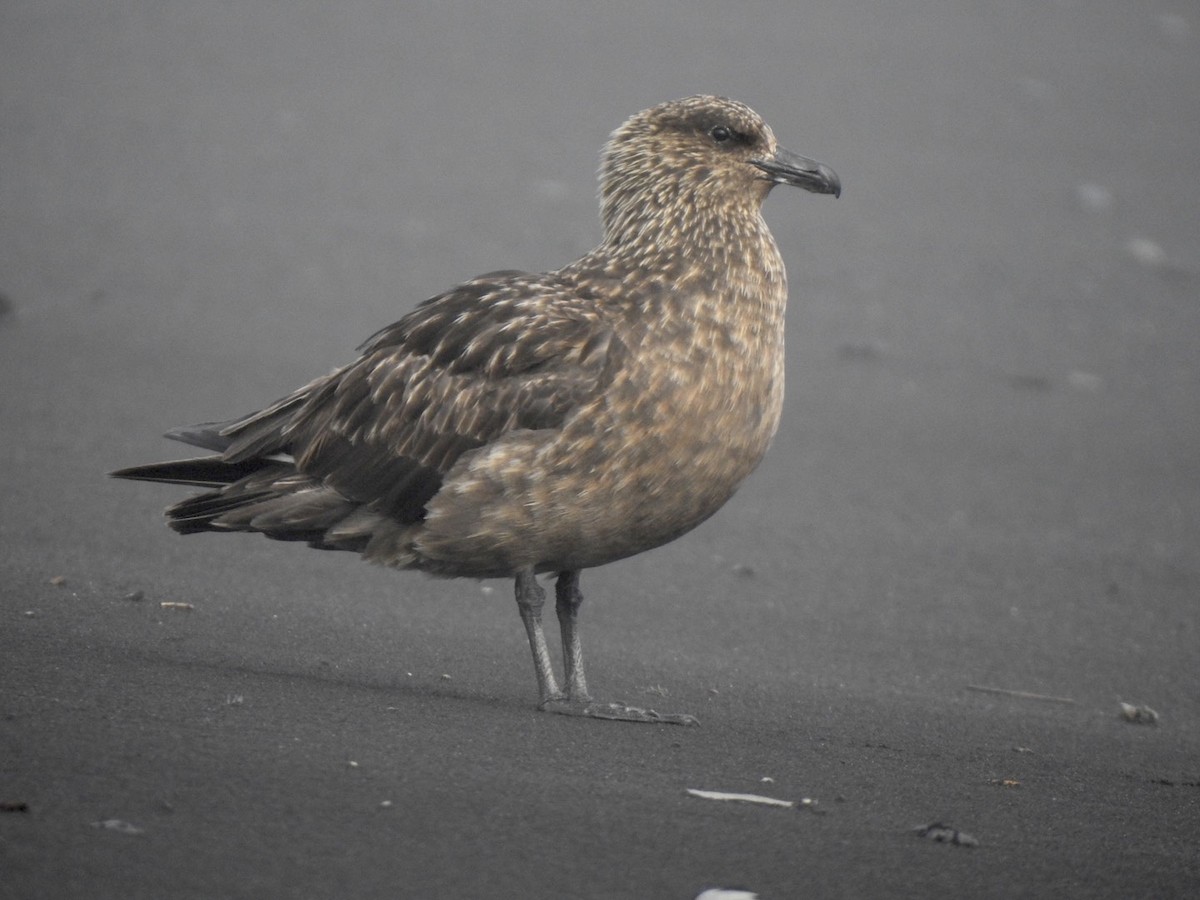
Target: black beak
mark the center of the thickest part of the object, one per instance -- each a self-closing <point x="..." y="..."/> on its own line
<point x="786" y="167"/>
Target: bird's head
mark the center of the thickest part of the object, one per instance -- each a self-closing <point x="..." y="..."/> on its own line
<point x="694" y="158"/>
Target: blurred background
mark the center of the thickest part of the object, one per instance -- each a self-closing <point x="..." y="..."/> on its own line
<point x="993" y="335"/>
<point x="989" y="465"/>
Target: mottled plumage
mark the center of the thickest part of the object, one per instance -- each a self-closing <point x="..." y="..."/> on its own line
<point x="525" y="423"/>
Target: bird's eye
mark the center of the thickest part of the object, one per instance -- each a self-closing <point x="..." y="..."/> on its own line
<point x="720" y="134"/>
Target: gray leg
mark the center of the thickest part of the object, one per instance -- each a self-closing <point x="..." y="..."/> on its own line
<point x="530" y="599"/>
<point x="576" y="701"/>
<point x="568" y="599"/>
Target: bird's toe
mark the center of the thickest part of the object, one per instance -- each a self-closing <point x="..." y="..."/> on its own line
<point x="617" y="712"/>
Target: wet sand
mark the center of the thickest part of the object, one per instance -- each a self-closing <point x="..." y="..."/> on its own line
<point x="986" y="477"/>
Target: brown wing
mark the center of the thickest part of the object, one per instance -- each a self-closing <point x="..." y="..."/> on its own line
<point x="503" y="352"/>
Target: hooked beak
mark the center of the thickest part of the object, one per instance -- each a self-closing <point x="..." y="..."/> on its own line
<point x="786" y="167"/>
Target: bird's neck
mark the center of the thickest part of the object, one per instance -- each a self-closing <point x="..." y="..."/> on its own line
<point x="684" y="245"/>
<point x="718" y="237"/>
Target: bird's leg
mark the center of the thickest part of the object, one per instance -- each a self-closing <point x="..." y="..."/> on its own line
<point x="568" y="599"/>
<point x="576" y="701"/>
<point x="530" y="599"/>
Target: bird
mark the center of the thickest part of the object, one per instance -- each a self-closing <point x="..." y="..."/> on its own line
<point x="525" y="424"/>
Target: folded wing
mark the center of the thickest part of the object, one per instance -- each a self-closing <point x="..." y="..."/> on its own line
<point x="372" y="442"/>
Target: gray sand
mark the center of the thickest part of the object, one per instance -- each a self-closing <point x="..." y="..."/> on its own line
<point x="987" y="473"/>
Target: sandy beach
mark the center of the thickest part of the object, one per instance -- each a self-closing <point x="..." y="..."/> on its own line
<point x="976" y="535"/>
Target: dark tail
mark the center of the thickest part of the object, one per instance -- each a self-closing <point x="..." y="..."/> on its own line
<point x="253" y="485"/>
<point x="263" y="495"/>
<point x="231" y="487"/>
<point x="206" y="471"/>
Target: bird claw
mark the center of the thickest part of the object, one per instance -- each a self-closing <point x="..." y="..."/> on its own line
<point x="617" y="712"/>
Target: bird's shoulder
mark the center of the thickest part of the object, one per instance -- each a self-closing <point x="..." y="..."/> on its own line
<point x="499" y="325"/>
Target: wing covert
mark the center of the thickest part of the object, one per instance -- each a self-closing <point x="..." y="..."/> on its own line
<point x="492" y="356"/>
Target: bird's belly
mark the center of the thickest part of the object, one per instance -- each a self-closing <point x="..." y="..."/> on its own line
<point x="631" y="474"/>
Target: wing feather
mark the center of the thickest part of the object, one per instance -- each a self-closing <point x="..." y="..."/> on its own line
<point x="500" y="353"/>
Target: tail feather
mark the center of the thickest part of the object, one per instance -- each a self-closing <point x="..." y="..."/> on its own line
<point x="283" y="514"/>
<point x="257" y="434"/>
<point x="308" y="513"/>
<point x="200" y="512"/>
<point x="253" y="484"/>
<point x="266" y="496"/>
<point x="204" y="471"/>
<point x="207" y="436"/>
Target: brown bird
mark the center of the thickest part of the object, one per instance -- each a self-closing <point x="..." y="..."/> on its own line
<point x="521" y="424"/>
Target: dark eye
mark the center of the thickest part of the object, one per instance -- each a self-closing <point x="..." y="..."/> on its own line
<point x="720" y="134"/>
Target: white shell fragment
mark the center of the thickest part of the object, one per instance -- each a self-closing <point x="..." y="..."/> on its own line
<point x="118" y="825"/>
<point x="743" y="798"/>
<point x="944" y="834"/>
<point x="1138" y="715"/>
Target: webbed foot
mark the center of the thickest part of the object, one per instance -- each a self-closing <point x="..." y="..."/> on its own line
<point x="618" y="712"/>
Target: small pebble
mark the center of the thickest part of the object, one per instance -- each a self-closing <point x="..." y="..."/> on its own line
<point x="944" y="834"/>
<point x="1138" y="715"/>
